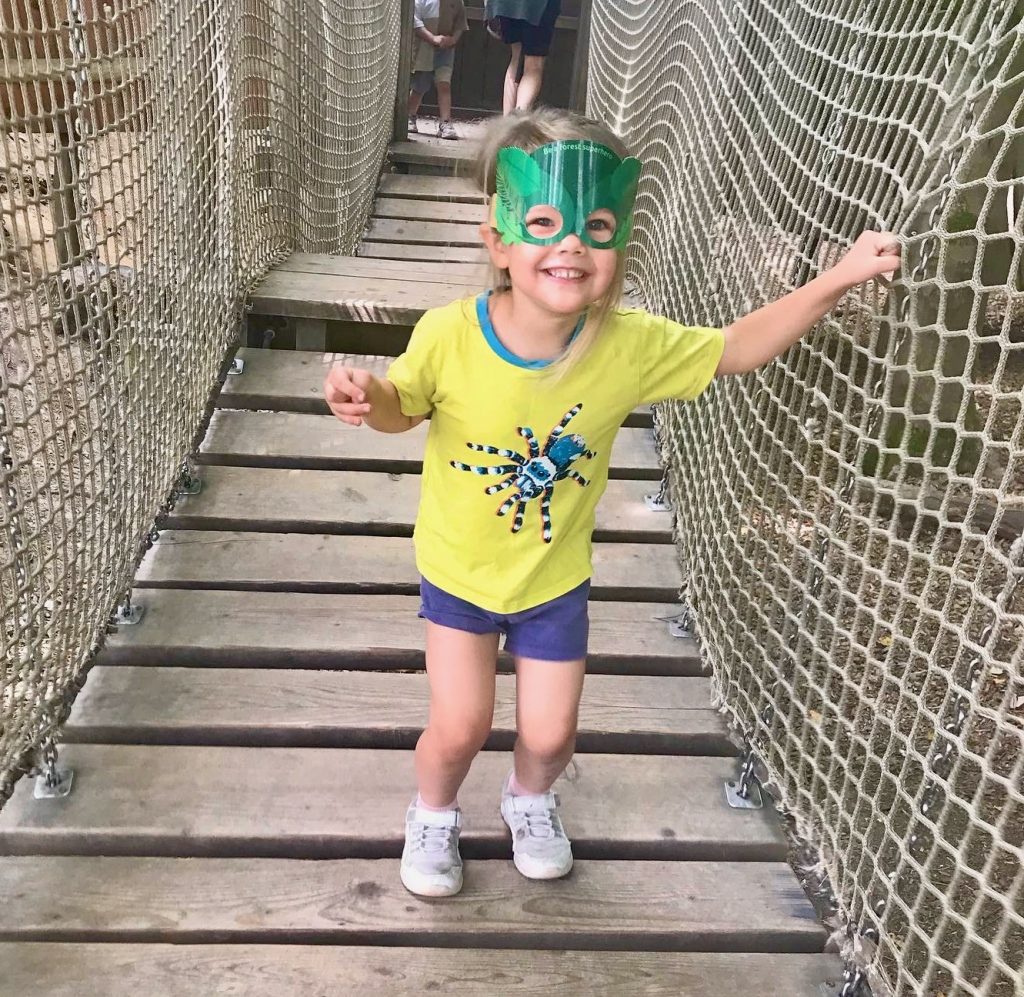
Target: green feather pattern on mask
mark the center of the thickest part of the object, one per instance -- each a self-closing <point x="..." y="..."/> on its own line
<point x="596" y="178"/>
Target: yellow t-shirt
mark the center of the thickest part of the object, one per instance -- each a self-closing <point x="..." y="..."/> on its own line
<point x="516" y="462"/>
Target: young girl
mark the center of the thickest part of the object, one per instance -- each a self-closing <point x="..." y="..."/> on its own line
<point x="526" y="387"/>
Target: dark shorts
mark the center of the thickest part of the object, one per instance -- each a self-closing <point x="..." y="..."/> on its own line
<point x="553" y="631"/>
<point x="535" y="38"/>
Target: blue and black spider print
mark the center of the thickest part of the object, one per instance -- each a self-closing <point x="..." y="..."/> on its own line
<point x="534" y="475"/>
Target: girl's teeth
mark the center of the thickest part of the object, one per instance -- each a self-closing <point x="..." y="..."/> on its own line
<point x="566" y="274"/>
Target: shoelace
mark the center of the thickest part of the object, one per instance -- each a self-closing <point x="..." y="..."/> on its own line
<point x="432" y="838"/>
<point x="541" y="825"/>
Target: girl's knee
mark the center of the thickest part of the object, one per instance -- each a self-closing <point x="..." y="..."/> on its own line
<point x="460" y="739"/>
<point x="549" y="742"/>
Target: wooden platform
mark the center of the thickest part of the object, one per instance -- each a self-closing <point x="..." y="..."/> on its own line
<point x="243" y="757"/>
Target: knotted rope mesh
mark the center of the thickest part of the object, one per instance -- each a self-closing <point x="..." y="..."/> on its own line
<point x="157" y="157"/>
<point x="849" y="518"/>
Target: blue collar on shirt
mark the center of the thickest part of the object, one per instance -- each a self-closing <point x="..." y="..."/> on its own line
<point x="483" y="314"/>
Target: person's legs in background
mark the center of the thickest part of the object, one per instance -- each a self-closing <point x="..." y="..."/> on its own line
<point x="512" y="78"/>
<point x="444" y="63"/>
<point x="530" y="84"/>
<point x="421" y="83"/>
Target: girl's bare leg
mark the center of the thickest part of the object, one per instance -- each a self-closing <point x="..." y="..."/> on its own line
<point x="512" y="80"/>
<point x="460" y="667"/>
<point x="529" y="85"/>
<point x="547" y="712"/>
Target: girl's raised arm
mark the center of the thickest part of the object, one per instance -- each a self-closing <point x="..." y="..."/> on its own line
<point x="761" y="336"/>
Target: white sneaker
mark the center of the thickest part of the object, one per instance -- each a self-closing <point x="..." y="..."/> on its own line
<point x="540" y="848"/>
<point x="431" y="864"/>
<point x="446" y="129"/>
<point x="413" y="125"/>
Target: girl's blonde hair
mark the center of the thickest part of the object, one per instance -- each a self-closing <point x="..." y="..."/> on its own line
<point x="529" y="130"/>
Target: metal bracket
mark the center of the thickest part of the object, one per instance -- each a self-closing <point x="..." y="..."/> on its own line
<point x="55" y="786"/>
<point x="52" y="783"/>
<point x="188" y="484"/>
<point x="745" y="793"/>
<point x="128" y="614"/>
<point x="237" y="366"/>
<point x="681" y="626"/>
<point x="657" y="504"/>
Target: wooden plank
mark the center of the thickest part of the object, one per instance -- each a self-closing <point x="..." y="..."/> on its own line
<point x="432" y="211"/>
<point x="289" y="380"/>
<point x="432" y="233"/>
<point x="366" y="502"/>
<point x="400" y="251"/>
<point x="381" y="300"/>
<point x="293" y="439"/>
<point x="471" y="274"/>
<point x="429" y="188"/>
<point x="665" y="906"/>
<point x="311" y="333"/>
<point x="117" y="970"/>
<point x="302" y="562"/>
<point x="419" y="151"/>
<point x="299" y="630"/>
<point x="293" y="381"/>
<point x="350" y="803"/>
<point x="302" y="708"/>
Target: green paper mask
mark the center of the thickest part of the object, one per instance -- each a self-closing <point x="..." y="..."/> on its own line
<point x="586" y="187"/>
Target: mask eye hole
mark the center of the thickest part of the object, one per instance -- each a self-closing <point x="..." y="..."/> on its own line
<point x="601" y="225"/>
<point x="544" y="221"/>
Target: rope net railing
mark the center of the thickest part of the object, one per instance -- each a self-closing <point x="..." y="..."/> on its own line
<point x="849" y="518"/>
<point x="157" y="157"/>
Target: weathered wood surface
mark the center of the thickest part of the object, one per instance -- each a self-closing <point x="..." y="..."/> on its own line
<point x="397" y="251"/>
<point x="371" y="565"/>
<point x="294" y="439"/>
<point x="55" y="969"/>
<point x="353" y="299"/>
<point x="661" y="906"/>
<point x="356" y="266"/>
<point x="429" y="188"/>
<point x="349" y="803"/>
<point x="431" y="211"/>
<point x="426" y="150"/>
<point x="290" y="707"/>
<point x="368" y="502"/>
<point x="299" y="630"/>
<point x="418" y="232"/>
<point x="291" y="381"/>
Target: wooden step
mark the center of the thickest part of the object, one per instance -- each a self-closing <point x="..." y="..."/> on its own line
<point x="423" y="252"/>
<point x="297" y="440"/>
<point x="424" y="150"/>
<point x="428" y="188"/>
<point x="426" y="272"/>
<point x="407" y="233"/>
<point x="380" y="565"/>
<point x="410" y="209"/>
<point x="293" y="381"/>
<point x="299" y="630"/>
<point x="350" y="803"/>
<point x="117" y="970"/>
<point x="665" y="906"/>
<point x="302" y="708"/>
<point x="367" y="502"/>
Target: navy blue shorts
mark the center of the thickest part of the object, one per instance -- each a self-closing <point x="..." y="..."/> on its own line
<point x="535" y="38"/>
<point x="553" y="631"/>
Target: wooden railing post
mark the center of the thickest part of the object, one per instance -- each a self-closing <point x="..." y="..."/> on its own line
<point x="581" y="62"/>
<point x="401" y="126"/>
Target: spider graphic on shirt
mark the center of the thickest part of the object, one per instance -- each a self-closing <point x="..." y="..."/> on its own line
<point x="534" y="474"/>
